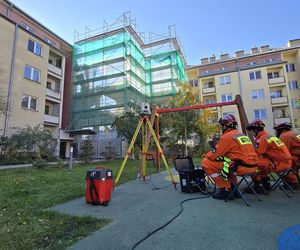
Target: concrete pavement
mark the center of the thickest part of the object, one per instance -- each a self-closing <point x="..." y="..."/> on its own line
<point x="137" y="209"/>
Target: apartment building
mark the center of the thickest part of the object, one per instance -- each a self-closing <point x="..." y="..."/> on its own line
<point x="268" y="80"/>
<point x="36" y="68"/>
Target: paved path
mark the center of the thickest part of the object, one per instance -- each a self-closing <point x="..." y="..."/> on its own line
<point x="137" y="209"/>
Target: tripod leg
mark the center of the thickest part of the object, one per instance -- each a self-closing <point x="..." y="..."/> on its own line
<point x="161" y="152"/>
<point x="129" y="150"/>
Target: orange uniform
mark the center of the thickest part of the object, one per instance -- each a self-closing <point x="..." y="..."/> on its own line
<point x="292" y="140"/>
<point x="235" y="146"/>
<point x="273" y="155"/>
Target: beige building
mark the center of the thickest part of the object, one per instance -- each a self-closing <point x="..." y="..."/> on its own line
<point x="267" y="79"/>
<point x="34" y="74"/>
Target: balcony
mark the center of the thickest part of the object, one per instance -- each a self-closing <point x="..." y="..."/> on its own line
<point x="209" y="90"/>
<point x="283" y="100"/>
<point x="54" y="69"/>
<point x="277" y="80"/>
<point x="51" y="119"/>
<point x="281" y="120"/>
<point x="53" y="93"/>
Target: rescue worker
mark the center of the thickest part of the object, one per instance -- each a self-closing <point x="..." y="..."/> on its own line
<point x="233" y="149"/>
<point x="273" y="156"/>
<point x="292" y="140"/>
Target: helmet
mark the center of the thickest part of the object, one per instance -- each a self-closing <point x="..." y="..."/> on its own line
<point x="256" y="125"/>
<point x="283" y="126"/>
<point x="229" y="121"/>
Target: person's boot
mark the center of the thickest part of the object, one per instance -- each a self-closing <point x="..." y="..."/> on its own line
<point x="257" y="188"/>
<point x="222" y="194"/>
<point x="266" y="183"/>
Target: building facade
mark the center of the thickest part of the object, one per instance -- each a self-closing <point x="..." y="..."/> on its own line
<point x="35" y="73"/>
<point x="116" y="66"/>
<point x="267" y="79"/>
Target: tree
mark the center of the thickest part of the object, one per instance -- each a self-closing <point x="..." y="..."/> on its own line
<point x="182" y="125"/>
<point x="110" y="152"/>
<point x="87" y="151"/>
<point x="126" y="125"/>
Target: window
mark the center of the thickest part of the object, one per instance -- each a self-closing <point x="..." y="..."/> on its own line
<point x="260" y="113"/>
<point x="293" y="85"/>
<point x="209" y="101"/>
<point x="290" y="67"/>
<point x="227" y="97"/>
<point x="273" y="75"/>
<point x="255" y="75"/>
<point x="48" y="85"/>
<point x="225" y="80"/>
<point x="194" y="83"/>
<point x="32" y="73"/>
<point x="47" y="110"/>
<point x="34" y="47"/>
<point x="48" y="41"/>
<point x="270" y="60"/>
<point x="295" y="103"/>
<point x="257" y="94"/>
<point x="251" y="63"/>
<point x="26" y="27"/>
<point x="208" y="85"/>
<point x="275" y="94"/>
<point x="29" y="102"/>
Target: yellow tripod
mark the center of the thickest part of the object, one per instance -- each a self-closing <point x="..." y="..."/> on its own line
<point x="143" y="123"/>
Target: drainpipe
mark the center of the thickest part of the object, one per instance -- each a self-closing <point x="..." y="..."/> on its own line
<point x="10" y="83"/>
<point x="239" y="76"/>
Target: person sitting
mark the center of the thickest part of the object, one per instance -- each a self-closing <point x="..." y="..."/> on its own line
<point x="273" y="156"/>
<point x="233" y="147"/>
<point x="292" y="140"/>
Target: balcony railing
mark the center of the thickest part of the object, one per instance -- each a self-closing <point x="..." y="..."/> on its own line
<point x="51" y="119"/>
<point x="281" y="120"/>
<point x="53" y="93"/>
<point x="279" y="100"/>
<point x="209" y="90"/>
<point x="54" y="69"/>
<point x="276" y="80"/>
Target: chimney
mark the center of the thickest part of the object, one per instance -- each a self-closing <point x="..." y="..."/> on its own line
<point x="254" y="50"/>
<point x="224" y="56"/>
<point x="264" y="48"/>
<point x="204" y="60"/>
<point x="239" y="53"/>
<point x="294" y="42"/>
<point x="212" y="58"/>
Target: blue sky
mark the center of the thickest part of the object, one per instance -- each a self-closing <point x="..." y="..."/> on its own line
<point x="205" y="27"/>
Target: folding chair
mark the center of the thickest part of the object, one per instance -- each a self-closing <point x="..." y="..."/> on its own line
<point x="280" y="182"/>
<point x="247" y="179"/>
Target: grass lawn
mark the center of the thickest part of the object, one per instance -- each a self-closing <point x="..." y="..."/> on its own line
<point x="25" y="195"/>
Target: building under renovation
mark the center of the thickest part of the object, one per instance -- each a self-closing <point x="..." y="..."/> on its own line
<point x="118" y="65"/>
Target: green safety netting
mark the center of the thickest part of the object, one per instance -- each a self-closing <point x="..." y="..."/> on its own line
<point x="110" y="71"/>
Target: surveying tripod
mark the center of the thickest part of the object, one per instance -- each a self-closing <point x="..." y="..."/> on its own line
<point x="143" y="124"/>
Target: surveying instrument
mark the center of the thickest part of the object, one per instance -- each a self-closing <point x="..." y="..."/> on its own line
<point x="145" y="126"/>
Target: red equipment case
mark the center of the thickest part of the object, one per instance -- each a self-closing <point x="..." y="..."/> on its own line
<point x="99" y="186"/>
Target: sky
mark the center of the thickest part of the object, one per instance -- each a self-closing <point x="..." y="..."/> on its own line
<point x="204" y="27"/>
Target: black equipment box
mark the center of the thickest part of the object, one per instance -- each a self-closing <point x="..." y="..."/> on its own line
<point x="192" y="181"/>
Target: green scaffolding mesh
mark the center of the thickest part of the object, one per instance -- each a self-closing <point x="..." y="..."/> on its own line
<point x="113" y="69"/>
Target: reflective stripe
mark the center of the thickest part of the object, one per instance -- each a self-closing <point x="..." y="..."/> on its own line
<point x="298" y="136"/>
<point x="276" y="140"/>
<point x="242" y="139"/>
<point x="214" y="175"/>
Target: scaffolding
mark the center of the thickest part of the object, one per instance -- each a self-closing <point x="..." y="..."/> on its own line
<point x="118" y="65"/>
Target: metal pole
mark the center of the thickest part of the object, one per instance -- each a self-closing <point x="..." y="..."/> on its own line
<point x="71" y="158"/>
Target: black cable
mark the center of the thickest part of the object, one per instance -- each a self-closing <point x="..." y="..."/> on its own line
<point x="151" y="182"/>
<point x="166" y="224"/>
